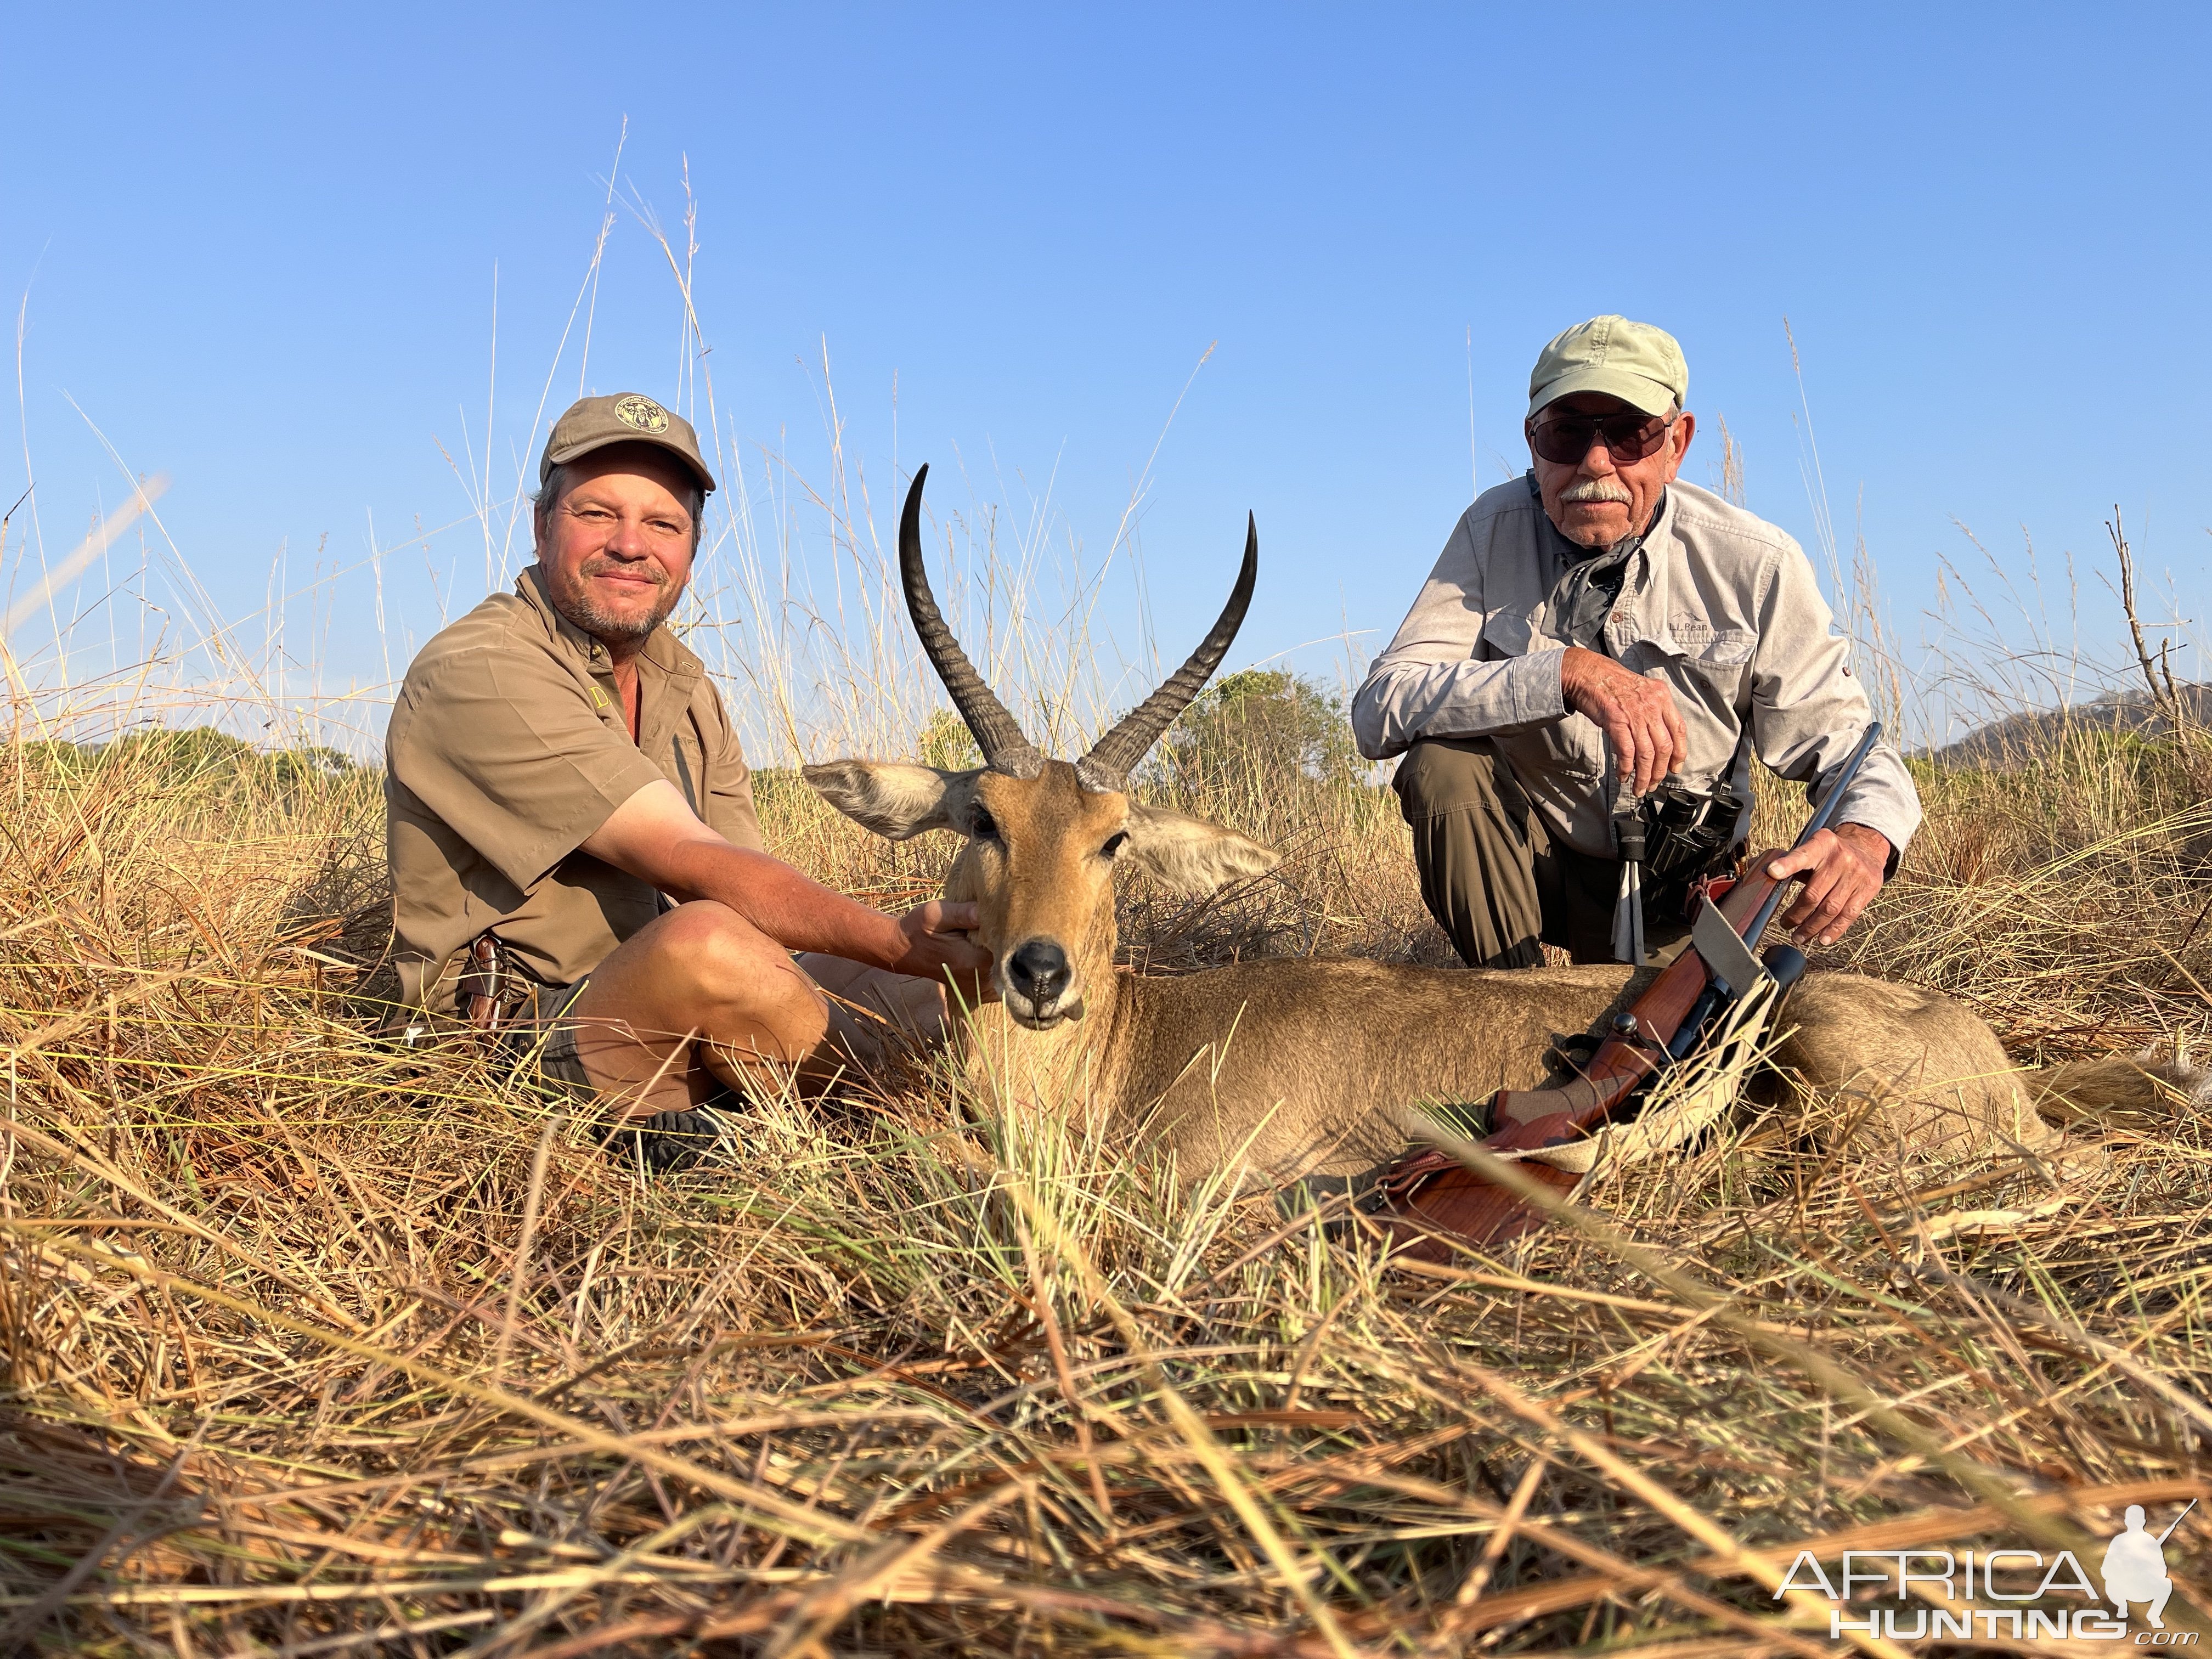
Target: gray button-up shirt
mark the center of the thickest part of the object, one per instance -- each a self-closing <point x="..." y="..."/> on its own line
<point x="1719" y="603"/>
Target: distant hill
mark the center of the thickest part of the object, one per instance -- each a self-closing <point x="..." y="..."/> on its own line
<point x="2018" y="735"/>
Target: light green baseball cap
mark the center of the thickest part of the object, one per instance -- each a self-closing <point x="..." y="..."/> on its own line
<point x="1638" y="364"/>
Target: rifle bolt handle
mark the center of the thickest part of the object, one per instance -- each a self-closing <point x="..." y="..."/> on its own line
<point x="1624" y="1025"/>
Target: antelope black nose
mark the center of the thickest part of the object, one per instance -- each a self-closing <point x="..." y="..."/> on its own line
<point x="1039" y="972"/>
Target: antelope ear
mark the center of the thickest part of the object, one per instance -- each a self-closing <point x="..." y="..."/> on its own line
<point x="896" y="798"/>
<point x="1190" y="854"/>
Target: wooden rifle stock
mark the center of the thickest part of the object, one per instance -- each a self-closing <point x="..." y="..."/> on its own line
<point x="1638" y="1049"/>
<point x="1433" y="1193"/>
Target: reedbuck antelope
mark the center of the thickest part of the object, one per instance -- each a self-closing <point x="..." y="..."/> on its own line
<point x="1317" y="1067"/>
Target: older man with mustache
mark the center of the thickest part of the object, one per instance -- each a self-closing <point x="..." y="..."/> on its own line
<point x="575" y="860"/>
<point x="1597" y="628"/>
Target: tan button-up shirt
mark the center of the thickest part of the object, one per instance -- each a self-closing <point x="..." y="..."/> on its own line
<point x="507" y="749"/>
<point x="1719" y="603"/>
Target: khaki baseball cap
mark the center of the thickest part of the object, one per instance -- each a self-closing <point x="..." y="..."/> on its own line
<point x="623" y="417"/>
<point x="1638" y="364"/>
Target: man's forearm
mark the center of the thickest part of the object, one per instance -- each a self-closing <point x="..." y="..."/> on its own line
<point x="1405" y="701"/>
<point x="798" y="914"/>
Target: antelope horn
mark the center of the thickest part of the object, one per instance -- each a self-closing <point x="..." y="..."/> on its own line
<point x="1107" y="767"/>
<point x="997" y="733"/>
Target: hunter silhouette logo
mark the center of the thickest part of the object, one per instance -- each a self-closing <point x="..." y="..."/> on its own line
<point x="2135" y="1567"/>
<point x="642" y="413"/>
<point x="1954" y="1590"/>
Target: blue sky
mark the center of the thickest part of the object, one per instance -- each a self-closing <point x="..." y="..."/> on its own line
<point x="258" y="251"/>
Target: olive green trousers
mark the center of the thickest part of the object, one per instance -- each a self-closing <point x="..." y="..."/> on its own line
<point x="1492" y="876"/>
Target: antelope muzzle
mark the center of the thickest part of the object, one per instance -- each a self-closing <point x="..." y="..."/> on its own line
<point x="1039" y="985"/>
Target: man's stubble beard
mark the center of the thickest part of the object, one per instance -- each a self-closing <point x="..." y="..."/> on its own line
<point x="571" y="599"/>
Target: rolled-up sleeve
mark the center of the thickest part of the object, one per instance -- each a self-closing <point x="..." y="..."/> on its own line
<point x="1808" y="711"/>
<point x="510" y="753"/>
<point x="1432" y="683"/>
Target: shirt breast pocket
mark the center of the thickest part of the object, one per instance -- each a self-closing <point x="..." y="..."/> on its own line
<point x="1712" y="674"/>
<point x="1720" y="653"/>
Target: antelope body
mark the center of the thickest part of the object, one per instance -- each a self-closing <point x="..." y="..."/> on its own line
<point x="1323" y="1067"/>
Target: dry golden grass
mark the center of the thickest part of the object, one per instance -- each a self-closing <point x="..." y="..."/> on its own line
<point x="315" y="1347"/>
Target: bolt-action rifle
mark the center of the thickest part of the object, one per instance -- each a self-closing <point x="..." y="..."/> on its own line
<point x="1432" y="1192"/>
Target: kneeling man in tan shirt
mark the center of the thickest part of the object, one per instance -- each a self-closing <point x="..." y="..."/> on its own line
<point x="569" y="820"/>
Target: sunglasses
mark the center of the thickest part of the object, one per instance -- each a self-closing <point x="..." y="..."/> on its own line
<point x="1628" y="437"/>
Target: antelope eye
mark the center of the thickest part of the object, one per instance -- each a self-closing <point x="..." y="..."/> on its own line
<point x="1115" y="844"/>
<point x="983" y="826"/>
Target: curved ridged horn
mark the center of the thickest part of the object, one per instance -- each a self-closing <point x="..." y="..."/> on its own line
<point x="997" y="734"/>
<point x="1111" y="759"/>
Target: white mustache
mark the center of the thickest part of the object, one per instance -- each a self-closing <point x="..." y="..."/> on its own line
<point x="1597" y="489"/>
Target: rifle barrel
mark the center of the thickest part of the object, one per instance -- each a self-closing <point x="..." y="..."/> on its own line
<point x="1814" y="824"/>
<point x="2176" y="1521"/>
